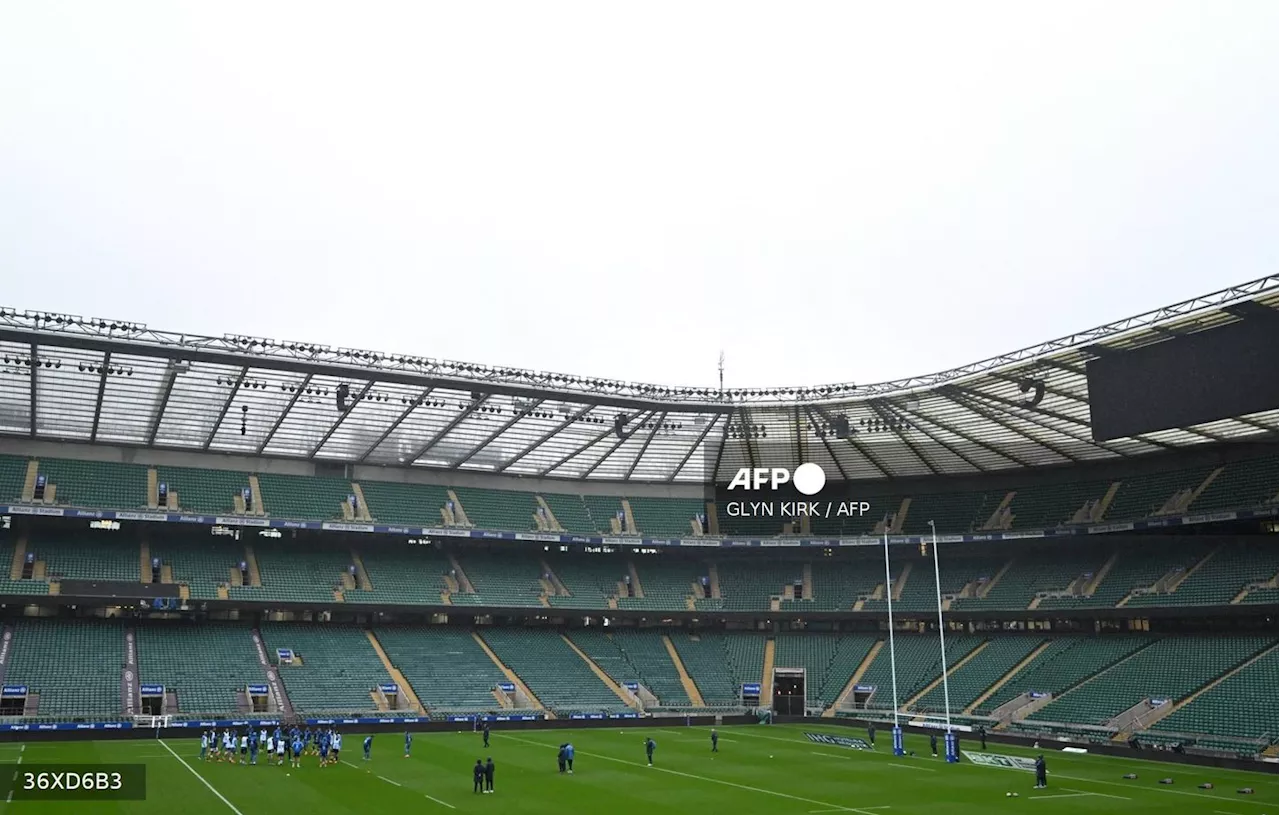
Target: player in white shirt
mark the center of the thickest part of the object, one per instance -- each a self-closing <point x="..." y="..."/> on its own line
<point x="204" y="746"/>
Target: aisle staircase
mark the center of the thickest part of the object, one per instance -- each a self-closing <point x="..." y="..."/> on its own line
<point x="406" y="689"/>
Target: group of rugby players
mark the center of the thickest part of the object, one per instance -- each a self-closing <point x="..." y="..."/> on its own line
<point x="290" y="746"/>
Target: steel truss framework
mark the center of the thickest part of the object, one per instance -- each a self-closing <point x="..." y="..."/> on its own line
<point x="65" y="378"/>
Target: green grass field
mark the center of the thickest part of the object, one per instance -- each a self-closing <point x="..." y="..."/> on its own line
<point x="759" y="769"/>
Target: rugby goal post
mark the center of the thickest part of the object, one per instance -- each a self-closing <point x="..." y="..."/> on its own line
<point x="152" y="722"/>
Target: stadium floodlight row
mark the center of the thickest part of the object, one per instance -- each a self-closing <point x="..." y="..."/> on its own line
<point x="66" y="378"/>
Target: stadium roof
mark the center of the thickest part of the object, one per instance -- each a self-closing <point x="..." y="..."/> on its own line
<point x="65" y="378"/>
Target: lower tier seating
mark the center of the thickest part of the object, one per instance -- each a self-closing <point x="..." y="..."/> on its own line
<point x="74" y="666"/>
<point x="338" y="668"/>
<point x="206" y="665"/>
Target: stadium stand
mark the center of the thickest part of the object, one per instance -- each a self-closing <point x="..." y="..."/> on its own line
<point x="919" y="662"/>
<point x="571" y="513"/>
<point x="1067" y="662"/>
<point x="286" y="496"/>
<point x="828" y="660"/>
<point x="506" y="578"/>
<point x="410" y="504"/>
<point x="556" y="675"/>
<point x="590" y="581"/>
<point x="13" y="472"/>
<point x="720" y="663"/>
<point x="296" y="573"/>
<point x="205" y="491"/>
<point x="1219" y="578"/>
<point x="1239" y="712"/>
<point x="1166" y="669"/>
<point x="1136" y="567"/>
<point x="1030" y="576"/>
<point x="666" y="517"/>
<point x="202" y="566"/>
<point x="96" y="484"/>
<point x="410" y="575"/>
<point x="968" y="682"/>
<point x="497" y="509"/>
<point x="338" y="669"/>
<point x="635" y="656"/>
<point x="448" y="670"/>
<point x="667" y="584"/>
<point x="88" y="556"/>
<point x="74" y="666"/>
<point x="206" y="665"/>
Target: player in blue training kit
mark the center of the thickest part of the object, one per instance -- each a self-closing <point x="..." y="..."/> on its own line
<point x="368" y="747"/>
<point x="568" y="757"/>
<point x="253" y="749"/>
<point x="297" y="751"/>
<point x="715" y="741"/>
<point x="324" y="750"/>
<point x="649" y="746"/>
<point x="408" y="743"/>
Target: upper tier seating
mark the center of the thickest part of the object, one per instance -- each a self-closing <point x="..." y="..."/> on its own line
<point x="287" y="496"/>
<point x="210" y="492"/>
<point x="13" y="472"/>
<point x="96" y="484"/>
<point x="666" y="517"/>
<point x="409" y="504"/>
<point x="498" y="509"/>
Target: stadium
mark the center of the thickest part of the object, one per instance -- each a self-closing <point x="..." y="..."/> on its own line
<point x="1048" y="556"/>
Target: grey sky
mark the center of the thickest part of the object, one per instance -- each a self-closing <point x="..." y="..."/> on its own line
<point x="828" y="191"/>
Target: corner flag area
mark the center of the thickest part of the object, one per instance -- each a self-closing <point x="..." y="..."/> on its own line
<point x="758" y="769"/>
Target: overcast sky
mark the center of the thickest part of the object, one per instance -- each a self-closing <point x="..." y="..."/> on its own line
<point x="847" y="191"/>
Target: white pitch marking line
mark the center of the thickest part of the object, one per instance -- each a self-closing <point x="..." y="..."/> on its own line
<point x="398" y="784"/>
<point x="1098" y="794"/>
<point x="192" y="770"/>
<point x="1064" y="795"/>
<point x="834" y="808"/>
<point x="911" y="767"/>
<point x="829" y="755"/>
<point x="9" y="798"/>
